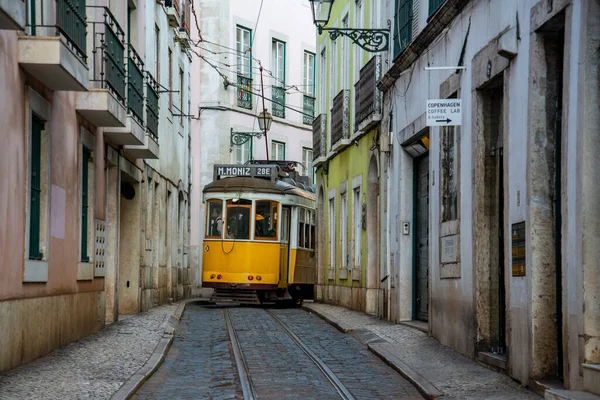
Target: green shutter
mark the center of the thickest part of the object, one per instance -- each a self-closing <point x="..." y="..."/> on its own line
<point x="35" y="189"/>
<point x="434" y="5"/>
<point x="403" y="15"/>
<point x="84" y="205"/>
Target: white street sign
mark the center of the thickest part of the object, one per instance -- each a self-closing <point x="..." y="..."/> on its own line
<point x="444" y="112"/>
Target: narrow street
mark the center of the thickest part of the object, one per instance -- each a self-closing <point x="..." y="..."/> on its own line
<point x="285" y="353"/>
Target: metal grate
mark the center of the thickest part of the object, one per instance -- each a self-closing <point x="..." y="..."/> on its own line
<point x="278" y="102"/>
<point x="366" y="95"/>
<point x="308" y="107"/>
<point x="244" y="94"/>
<point x="135" y="85"/>
<point x="152" y="109"/>
<point x="319" y="131"/>
<point x="340" y="117"/>
<point x="71" y="23"/>
<point x="114" y="55"/>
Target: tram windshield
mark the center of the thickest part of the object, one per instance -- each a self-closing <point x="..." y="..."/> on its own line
<point x="214" y="218"/>
<point x="238" y="218"/>
<point x="266" y="220"/>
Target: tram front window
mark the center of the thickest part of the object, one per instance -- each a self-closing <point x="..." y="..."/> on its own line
<point x="238" y="219"/>
<point x="266" y="220"/>
<point x="214" y="218"/>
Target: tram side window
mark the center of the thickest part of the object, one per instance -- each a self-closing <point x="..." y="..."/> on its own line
<point x="301" y="228"/>
<point x="214" y="218"/>
<point x="238" y="218"/>
<point x="266" y="220"/>
<point x="313" y="230"/>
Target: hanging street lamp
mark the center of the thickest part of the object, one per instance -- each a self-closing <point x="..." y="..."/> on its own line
<point x="371" y="40"/>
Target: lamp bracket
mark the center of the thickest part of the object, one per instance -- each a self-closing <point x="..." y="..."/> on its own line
<point x="371" y="40"/>
<point x="239" y="138"/>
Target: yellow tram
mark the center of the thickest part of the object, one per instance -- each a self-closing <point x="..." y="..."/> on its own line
<point x="260" y="232"/>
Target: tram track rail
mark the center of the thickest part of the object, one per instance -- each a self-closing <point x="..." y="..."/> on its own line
<point x="248" y="389"/>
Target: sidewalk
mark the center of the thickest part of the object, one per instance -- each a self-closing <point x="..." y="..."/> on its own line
<point x="109" y="364"/>
<point x="436" y="370"/>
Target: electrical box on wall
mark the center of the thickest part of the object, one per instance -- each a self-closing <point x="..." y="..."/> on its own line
<point x="406" y="228"/>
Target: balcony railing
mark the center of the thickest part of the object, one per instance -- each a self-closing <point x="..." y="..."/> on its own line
<point x="340" y="118"/>
<point x="278" y="102"/>
<point x="319" y="140"/>
<point x="244" y="92"/>
<point x="135" y="85"/>
<point x="367" y="98"/>
<point x="308" y="107"/>
<point x="152" y="90"/>
<point x="108" y="54"/>
<point x="71" y="23"/>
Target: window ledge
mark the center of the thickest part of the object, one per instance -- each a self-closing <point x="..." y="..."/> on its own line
<point x="36" y="271"/>
<point x="85" y="271"/>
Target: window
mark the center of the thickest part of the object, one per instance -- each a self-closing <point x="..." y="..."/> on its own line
<point x="87" y="221"/>
<point x="278" y="88"/>
<point x="170" y="80"/>
<point x="402" y="25"/>
<point x="344" y="230"/>
<point x="214" y="218"/>
<point x="345" y="55"/>
<point x="358" y="22"/>
<point x="277" y="150"/>
<point x="36" y="192"/>
<point x="307" y="168"/>
<point x="434" y="5"/>
<point x="357" y="228"/>
<point x="265" y="227"/>
<point x="306" y="229"/>
<point x="243" y="42"/>
<point x="449" y="165"/>
<point x="238" y="219"/>
<point x="244" y="67"/>
<point x="157" y="62"/>
<point x="323" y="83"/>
<point x="332" y="233"/>
<point x="181" y="95"/>
<point x="243" y="152"/>
<point x="308" y="78"/>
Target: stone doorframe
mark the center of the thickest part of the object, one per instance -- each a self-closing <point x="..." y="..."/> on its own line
<point x="372" y="270"/>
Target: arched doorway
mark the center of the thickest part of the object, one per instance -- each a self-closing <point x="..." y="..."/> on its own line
<point x="372" y="284"/>
<point x="320" y="239"/>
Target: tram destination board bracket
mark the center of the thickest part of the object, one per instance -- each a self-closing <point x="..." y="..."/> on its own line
<point x="251" y="171"/>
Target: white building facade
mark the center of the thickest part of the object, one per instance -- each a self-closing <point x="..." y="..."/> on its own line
<point x="236" y="38"/>
<point x="493" y="224"/>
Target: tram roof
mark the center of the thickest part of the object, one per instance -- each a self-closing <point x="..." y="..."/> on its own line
<point x="241" y="184"/>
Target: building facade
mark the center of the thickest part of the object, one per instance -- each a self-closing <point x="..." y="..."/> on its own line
<point x="348" y="161"/>
<point x="95" y="172"/>
<point x="237" y="38"/>
<point x="492" y="223"/>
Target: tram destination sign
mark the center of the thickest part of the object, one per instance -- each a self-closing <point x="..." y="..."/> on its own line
<point x="444" y="112"/>
<point x="256" y="171"/>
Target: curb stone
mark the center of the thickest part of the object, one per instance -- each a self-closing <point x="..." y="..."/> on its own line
<point x="426" y="388"/>
<point x="131" y="385"/>
<point x="340" y="326"/>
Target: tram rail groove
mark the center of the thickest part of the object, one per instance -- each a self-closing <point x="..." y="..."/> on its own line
<point x="329" y="374"/>
<point x="248" y="389"/>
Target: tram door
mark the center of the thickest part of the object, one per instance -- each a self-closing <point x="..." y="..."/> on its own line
<point x="284" y="252"/>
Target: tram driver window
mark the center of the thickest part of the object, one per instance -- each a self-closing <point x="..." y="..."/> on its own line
<point x="238" y="218"/>
<point x="266" y="220"/>
<point x="214" y="218"/>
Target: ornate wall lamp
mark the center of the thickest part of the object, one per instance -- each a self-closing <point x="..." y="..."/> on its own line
<point x="371" y="40"/>
<point x="239" y="138"/>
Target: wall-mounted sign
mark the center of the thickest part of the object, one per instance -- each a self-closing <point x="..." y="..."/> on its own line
<point x="518" y="249"/>
<point x="444" y="112"/>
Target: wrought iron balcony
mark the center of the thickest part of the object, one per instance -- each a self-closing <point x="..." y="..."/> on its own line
<point x="71" y="23"/>
<point x="367" y="98"/>
<point x="308" y="107"/>
<point x="54" y="51"/>
<point x="278" y="97"/>
<point x="135" y="85"/>
<point x="319" y="136"/>
<point x="152" y="90"/>
<point x="244" y="92"/>
<point x="340" y="117"/>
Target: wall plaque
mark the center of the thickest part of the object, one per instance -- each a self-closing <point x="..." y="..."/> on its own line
<point x="518" y="249"/>
<point x="449" y="249"/>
